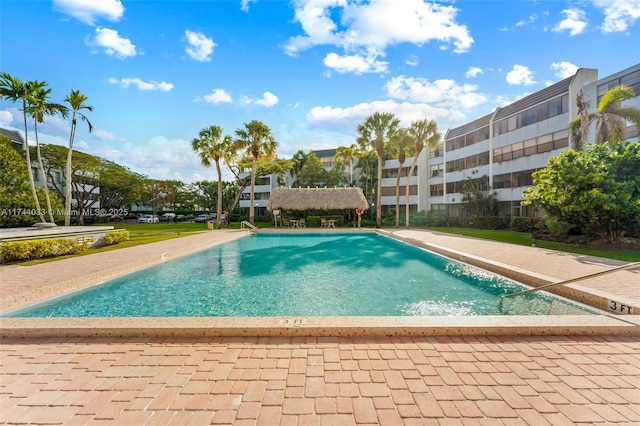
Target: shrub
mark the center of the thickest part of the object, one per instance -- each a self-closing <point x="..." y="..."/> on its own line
<point x="114" y="237"/>
<point x="557" y="227"/>
<point x="486" y="222"/>
<point x="424" y="218"/>
<point x="526" y="224"/>
<point x="12" y="251"/>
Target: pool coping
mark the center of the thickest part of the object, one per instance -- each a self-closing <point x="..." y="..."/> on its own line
<point x="327" y="326"/>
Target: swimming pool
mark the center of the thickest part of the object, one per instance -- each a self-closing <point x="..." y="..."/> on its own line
<point x="303" y="275"/>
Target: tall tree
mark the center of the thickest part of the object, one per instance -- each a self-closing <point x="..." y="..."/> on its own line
<point x="210" y="145"/>
<point x="16" y="90"/>
<point x="399" y="144"/>
<point x="375" y="133"/>
<point x="347" y="154"/>
<point x="610" y="117"/>
<point x="595" y="191"/>
<point x="38" y="108"/>
<point x="77" y="102"/>
<point x="425" y="134"/>
<point x="258" y="142"/>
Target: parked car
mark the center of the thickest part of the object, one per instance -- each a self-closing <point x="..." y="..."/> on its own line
<point x="201" y="218"/>
<point x="167" y="217"/>
<point x="179" y="218"/>
<point x="115" y="218"/>
<point x="148" y="218"/>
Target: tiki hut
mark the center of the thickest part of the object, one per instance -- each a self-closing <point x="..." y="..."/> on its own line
<point x="317" y="199"/>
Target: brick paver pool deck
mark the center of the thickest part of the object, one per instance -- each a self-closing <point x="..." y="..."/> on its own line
<point x="410" y="380"/>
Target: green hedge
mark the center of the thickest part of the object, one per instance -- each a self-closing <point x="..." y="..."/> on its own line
<point x="12" y="251"/>
<point x="526" y="224"/>
<point x="486" y="222"/>
<point x="114" y="237"/>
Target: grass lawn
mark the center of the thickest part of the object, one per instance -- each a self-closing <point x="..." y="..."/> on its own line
<point x="524" y="238"/>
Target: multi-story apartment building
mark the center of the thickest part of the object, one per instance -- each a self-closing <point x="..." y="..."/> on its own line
<point x="501" y="149"/>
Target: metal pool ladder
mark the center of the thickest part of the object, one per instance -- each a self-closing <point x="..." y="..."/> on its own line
<point x="595" y="274"/>
<point x="248" y="225"/>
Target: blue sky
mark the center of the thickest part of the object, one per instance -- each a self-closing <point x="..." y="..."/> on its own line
<point x="157" y="72"/>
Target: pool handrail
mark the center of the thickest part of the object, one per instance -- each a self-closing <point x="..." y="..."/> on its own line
<point x="595" y="274"/>
<point x="249" y="225"/>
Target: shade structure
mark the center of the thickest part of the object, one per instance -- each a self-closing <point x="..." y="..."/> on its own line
<point x="317" y="199"/>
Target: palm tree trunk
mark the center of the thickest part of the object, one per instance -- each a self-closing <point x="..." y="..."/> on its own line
<point x="219" y="206"/>
<point x="379" y="194"/>
<point x="44" y="175"/>
<point x="67" y="174"/>
<point x="406" y="193"/>
<point x="254" y="167"/>
<point x="28" y="155"/>
<point x="398" y="196"/>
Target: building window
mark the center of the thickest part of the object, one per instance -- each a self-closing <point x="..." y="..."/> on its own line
<point x="436" y="190"/>
<point x="436" y="170"/>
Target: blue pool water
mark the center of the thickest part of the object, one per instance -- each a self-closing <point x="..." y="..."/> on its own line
<point x="303" y="275"/>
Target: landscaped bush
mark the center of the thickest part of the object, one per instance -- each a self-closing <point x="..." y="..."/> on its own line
<point x="12" y="251"/>
<point x="114" y="237"/>
<point x="424" y="218"/>
<point x="526" y="224"/>
<point x="486" y="222"/>
<point x="556" y="227"/>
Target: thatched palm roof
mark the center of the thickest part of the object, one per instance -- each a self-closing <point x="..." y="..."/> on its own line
<point x="317" y="199"/>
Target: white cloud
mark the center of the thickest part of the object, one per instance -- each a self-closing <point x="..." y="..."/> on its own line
<point x="564" y="69"/>
<point x="88" y="11"/>
<point x="619" y="14"/>
<point x="443" y="93"/>
<point x="6" y="117"/>
<point x="366" y="28"/>
<point x="103" y="135"/>
<point x="520" y="75"/>
<point x="244" y="5"/>
<point x="346" y="120"/>
<point x="575" y="22"/>
<point x="268" y="100"/>
<point x="412" y="61"/>
<point x="217" y="96"/>
<point x="473" y="72"/>
<point x="142" y="85"/>
<point x="200" y="47"/>
<point x="158" y="157"/>
<point x="356" y="64"/>
<point x="113" y="44"/>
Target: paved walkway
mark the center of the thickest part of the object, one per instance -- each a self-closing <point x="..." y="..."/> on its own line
<point x="502" y="380"/>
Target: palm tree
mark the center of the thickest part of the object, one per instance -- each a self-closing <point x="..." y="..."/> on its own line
<point x="38" y="108"/>
<point x="16" y="90"/>
<point x="398" y="147"/>
<point x="257" y="140"/>
<point x="610" y="117"/>
<point x="209" y="147"/>
<point x="77" y="102"/>
<point x="375" y="132"/>
<point x="579" y="126"/>
<point x="425" y="134"/>
<point x="347" y="154"/>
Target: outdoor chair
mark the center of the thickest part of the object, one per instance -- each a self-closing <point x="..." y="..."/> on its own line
<point x="285" y="223"/>
<point x="302" y="223"/>
<point x="323" y="223"/>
